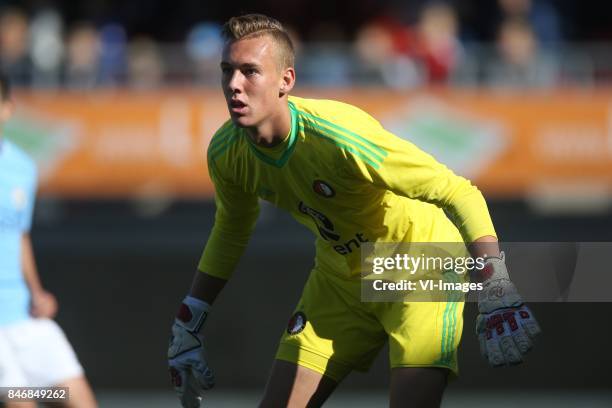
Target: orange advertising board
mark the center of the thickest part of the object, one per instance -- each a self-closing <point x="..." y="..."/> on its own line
<point x="135" y="143"/>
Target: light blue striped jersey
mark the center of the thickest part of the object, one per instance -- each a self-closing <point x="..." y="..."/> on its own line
<point x="17" y="196"/>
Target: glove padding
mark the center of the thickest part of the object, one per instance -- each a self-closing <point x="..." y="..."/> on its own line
<point x="505" y="326"/>
<point x="189" y="370"/>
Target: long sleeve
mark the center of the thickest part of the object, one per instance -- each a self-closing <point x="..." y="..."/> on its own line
<point x="408" y="171"/>
<point x="235" y="218"/>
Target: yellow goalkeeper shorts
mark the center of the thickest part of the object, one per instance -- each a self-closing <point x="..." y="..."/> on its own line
<point x="333" y="332"/>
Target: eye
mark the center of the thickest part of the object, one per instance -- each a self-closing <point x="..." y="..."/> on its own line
<point x="250" y="71"/>
<point x="225" y="70"/>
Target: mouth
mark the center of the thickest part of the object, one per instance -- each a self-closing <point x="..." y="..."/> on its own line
<point x="237" y="106"/>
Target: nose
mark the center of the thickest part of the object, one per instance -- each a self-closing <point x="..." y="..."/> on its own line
<point x="234" y="83"/>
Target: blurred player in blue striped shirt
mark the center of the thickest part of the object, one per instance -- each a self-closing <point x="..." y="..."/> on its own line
<point x="34" y="351"/>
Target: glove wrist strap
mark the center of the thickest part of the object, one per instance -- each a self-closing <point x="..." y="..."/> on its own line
<point x="192" y="314"/>
<point x="495" y="269"/>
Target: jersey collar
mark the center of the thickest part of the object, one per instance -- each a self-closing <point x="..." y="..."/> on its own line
<point x="272" y="156"/>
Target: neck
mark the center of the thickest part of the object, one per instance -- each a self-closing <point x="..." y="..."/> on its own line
<point x="273" y="130"/>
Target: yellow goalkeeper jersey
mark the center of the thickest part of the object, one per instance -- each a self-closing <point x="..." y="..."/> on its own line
<point x="342" y="175"/>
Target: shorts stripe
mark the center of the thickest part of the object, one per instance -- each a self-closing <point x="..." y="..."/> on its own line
<point x="453" y="332"/>
<point x="445" y="328"/>
<point x="449" y="321"/>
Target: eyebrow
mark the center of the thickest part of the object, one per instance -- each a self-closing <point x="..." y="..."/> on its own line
<point x="241" y="66"/>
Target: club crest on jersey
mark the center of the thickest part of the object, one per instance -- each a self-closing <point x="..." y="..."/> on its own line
<point x="296" y="323"/>
<point x="19" y="198"/>
<point x="322" y="188"/>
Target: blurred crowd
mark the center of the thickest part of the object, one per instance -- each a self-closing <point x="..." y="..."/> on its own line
<point x="526" y="43"/>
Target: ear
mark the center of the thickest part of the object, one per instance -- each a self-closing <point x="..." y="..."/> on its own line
<point x="287" y="81"/>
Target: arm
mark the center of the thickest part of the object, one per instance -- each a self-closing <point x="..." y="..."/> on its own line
<point x="505" y="326"/>
<point x="42" y="303"/>
<point x="28" y="264"/>
<point x="235" y="217"/>
<point x="485" y="247"/>
<point x="206" y="287"/>
<point x="408" y="171"/>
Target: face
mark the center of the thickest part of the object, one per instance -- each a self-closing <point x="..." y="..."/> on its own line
<point x="253" y="81"/>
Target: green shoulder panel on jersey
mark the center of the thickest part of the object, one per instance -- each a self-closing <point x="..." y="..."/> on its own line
<point x="339" y="135"/>
<point x="222" y="139"/>
<point x="317" y="132"/>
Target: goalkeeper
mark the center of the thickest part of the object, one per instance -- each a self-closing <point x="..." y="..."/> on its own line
<point x="342" y="175"/>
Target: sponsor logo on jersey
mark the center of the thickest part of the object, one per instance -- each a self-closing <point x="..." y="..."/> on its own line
<point x="326" y="230"/>
<point x="324" y="224"/>
<point x="352" y="244"/>
<point x="296" y="323"/>
<point x="323" y="189"/>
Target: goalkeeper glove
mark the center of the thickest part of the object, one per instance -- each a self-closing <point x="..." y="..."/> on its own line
<point x="189" y="370"/>
<point x="505" y="326"/>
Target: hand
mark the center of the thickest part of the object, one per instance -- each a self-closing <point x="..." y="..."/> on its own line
<point x="505" y="326"/>
<point x="43" y="304"/>
<point x="189" y="370"/>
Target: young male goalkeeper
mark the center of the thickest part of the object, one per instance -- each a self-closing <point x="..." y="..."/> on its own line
<point x="340" y="173"/>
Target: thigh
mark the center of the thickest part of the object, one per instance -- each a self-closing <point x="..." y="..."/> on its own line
<point x="44" y="353"/>
<point x="294" y="386"/>
<point x="11" y="373"/>
<point x="331" y="331"/>
<point x="424" y="334"/>
<point x="420" y="387"/>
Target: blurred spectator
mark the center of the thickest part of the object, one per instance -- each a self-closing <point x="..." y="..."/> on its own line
<point x="521" y="63"/>
<point x="324" y="63"/>
<point x="83" y="57"/>
<point x="373" y="45"/>
<point x="113" y="50"/>
<point x="14" y="59"/>
<point x="203" y="46"/>
<point x="405" y="46"/>
<point x="438" y="47"/>
<point x="145" y="66"/>
<point x="47" y="48"/>
<point x="541" y="14"/>
<point x="410" y="56"/>
<point x="384" y="47"/>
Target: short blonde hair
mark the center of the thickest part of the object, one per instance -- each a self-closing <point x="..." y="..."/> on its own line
<point x="257" y="25"/>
